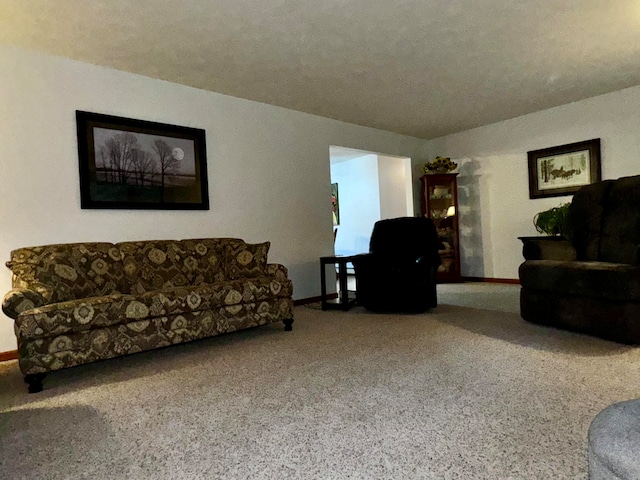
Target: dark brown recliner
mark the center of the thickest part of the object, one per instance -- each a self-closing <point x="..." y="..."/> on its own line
<point x="399" y="272"/>
<point x="592" y="283"/>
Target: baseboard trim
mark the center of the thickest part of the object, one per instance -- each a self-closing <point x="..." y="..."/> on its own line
<point x="509" y="281"/>
<point x="6" y="356"/>
<point x="306" y="301"/>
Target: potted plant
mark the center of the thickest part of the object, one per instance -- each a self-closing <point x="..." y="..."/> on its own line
<point x="552" y="222"/>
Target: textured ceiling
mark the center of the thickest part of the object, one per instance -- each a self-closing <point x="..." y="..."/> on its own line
<point x="419" y="67"/>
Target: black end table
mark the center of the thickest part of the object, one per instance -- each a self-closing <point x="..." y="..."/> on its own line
<point x="344" y="301"/>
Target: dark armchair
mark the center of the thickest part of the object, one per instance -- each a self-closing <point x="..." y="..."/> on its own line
<point x="589" y="283"/>
<point x="399" y="272"/>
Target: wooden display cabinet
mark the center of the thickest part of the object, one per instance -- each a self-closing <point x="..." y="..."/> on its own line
<point x="439" y="202"/>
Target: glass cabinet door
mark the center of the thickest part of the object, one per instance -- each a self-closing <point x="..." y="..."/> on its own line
<point x="440" y="204"/>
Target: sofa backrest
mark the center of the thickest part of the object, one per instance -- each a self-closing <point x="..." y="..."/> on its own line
<point x="604" y="221"/>
<point x="68" y="271"/>
<point x="71" y="271"/>
<point x="160" y="264"/>
<point x="585" y="217"/>
<point x="620" y="240"/>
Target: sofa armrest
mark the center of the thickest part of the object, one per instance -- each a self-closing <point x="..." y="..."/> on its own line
<point x="19" y="300"/>
<point x="278" y="271"/>
<point x="547" y="248"/>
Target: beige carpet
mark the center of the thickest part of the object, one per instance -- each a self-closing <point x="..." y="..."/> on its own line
<point x="461" y="393"/>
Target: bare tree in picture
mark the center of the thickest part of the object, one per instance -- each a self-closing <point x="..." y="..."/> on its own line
<point x="102" y="164"/>
<point x="143" y="166"/>
<point x="167" y="162"/>
<point x="115" y="156"/>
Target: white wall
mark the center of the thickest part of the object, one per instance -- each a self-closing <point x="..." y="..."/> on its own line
<point x="394" y="183"/>
<point x="493" y="181"/>
<point x="359" y="199"/>
<point x="268" y="166"/>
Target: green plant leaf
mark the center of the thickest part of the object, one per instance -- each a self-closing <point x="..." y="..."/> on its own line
<point x="552" y="221"/>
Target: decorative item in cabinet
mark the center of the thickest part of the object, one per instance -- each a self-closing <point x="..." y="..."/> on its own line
<point x="439" y="202"/>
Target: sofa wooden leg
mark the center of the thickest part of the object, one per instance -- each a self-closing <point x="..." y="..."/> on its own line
<point x="34" y="380"/>
<point x="288" y="324"/>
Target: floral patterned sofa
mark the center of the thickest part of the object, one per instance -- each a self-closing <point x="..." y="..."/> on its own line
<point x="81" y="302"/>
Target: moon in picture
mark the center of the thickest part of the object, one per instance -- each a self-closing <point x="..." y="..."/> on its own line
<point x="177" y="153"/>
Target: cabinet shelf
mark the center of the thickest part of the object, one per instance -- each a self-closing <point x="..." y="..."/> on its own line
<point x="439" y="202"/>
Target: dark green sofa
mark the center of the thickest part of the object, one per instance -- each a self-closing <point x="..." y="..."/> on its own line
<point x="591" y="282"/>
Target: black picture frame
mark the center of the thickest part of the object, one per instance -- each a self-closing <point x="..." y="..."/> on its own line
<point x="564" y="169"/>
<point x="335" y="204"/>
<point x="138" y="164"/>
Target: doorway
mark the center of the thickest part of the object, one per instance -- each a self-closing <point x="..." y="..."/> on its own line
<point x="367" y="187"/>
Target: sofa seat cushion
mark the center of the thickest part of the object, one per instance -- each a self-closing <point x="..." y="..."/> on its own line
<point x="207" y="297"/>
<point x="610" y="281"/>
<point x="77" y="348"/>
<point x="98" y="312"/>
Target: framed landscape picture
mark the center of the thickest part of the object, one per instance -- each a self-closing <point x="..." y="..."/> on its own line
<point x="562" y="170"/>
<point x="136" y="164"/>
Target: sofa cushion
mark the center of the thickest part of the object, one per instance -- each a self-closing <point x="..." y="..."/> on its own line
<point x="209" y="297"/>
<point x="210" y="257"/>
<point x="153" y="265"/>
<point x="69" y="271"/>
<point x="162" y="264"/>
<point x="611" y="281"/>
<point x="97" y="312"/>
<point x="79" y="347"/>
<point x="246" y="260"/>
